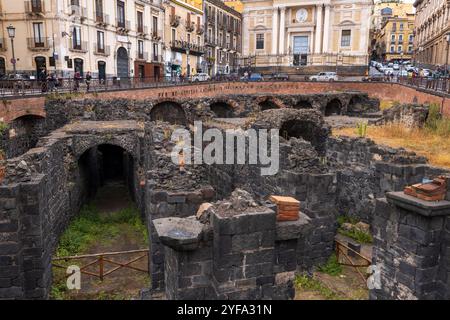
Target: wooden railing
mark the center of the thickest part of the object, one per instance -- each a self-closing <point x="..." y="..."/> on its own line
<point x="343" y="250"/>
<point x="102" y="260"/>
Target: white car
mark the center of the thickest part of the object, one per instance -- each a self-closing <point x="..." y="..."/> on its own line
<point x="396" y="66"/>
<point x="324" y="76"/>
<point x="201" y="77"/>
<point x="388" y="71"/>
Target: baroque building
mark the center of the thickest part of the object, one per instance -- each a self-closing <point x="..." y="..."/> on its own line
<point x="184" y="45"/>
<point x="432" y="27"/>
<point x="393" y="31"/>
<point x="223" y="39"/>
<point x="288" y="33"/>
<point x="110" y="38"/>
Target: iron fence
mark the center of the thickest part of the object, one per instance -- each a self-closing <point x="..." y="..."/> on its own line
<point x="24" y="87"/>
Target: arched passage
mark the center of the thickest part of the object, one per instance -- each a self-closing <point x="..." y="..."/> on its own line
<point x="23" y="134"/>
<point x="303" y="129"/>
<point x="355" y="105"/>
<point x="222" y="109"/>
<point x="168" y="111"/>
<point x="106" y="165"/>
<point x="303" y="104"/>
<point x="334" y="107"/>
<point x="122" y="63"/>
<point x="267" y="105"/>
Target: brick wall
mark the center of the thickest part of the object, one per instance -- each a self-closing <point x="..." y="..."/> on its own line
<point x="14" y="108"/>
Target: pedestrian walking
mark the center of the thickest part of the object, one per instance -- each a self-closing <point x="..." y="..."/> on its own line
<point x="88" y="81"/>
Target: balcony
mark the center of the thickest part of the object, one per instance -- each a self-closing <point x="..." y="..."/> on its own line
<point x="38" y="44"/>
<point x="105" y="51"/>
<point x="200" y="29"/>
<point x="190" y="26"/>
<point x="34" y="7"/>
<point x="157" y="59"/>
<point x="174" y="21"/>
<point x="156" y="35"/>
<point x="141" y="30"/>
<point x="78" y="11"/>
<point x="123" y="25"/>
<point x="211" y="19"/>
<point x="211" y="41"/>
<point x="81" y="46"/>
<point x="184" y="46"/>
<point x="142" y="56"/>
<point x="101" y="19"/>
<point x="3" y="44"/>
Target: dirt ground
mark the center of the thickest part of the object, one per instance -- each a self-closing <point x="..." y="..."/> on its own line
<point x="124" y="283"/>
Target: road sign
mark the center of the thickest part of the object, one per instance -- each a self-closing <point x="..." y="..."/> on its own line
<point x="13" y="61"/>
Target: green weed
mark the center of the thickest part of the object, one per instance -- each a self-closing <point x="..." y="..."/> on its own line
<point x="308" y="283"/>
<point x="332" y="267"/>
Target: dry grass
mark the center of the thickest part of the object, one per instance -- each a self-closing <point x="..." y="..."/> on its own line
<point x="386" y="104"/>
<point x="436" y="147"/>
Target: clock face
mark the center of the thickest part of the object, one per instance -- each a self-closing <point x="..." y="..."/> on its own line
<point x="302" y="15"/>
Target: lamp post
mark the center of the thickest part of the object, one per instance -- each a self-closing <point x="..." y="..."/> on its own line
<point x="129" y="57"/>
<point x="448" y="53"/>
<point x="12" y="34"/>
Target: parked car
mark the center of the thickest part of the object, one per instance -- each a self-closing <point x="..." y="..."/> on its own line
<point x="253" y="77"/>
<point x="279" y="76"/>
<point x="324" y="76"/>
<point x="19" y="79"/>
<point x="403" y="73"/>
<point x="201" y="77"/>
<point x="426" y="72"/>
<point x="396" y="66"/>
<point x="388" y="71"/>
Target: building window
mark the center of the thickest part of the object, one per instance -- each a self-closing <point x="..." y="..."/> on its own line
<point x="99" y="10"/>
<point x="76" y="38"/>
<point x="189" y="38"/>
<point x="392" y="37"/>
<point x="400" y="49"/>
<point x="173" y="35"/>
<point x="38" y="30"/>
<point x="410" y="49"/>
<point x="392" y="49"/>
<point x="155" y="51"/>
<point x="401" y="26"/>
<point x="346" y="38"/>
<point x="199" y="41"/>
<point x="155" y="26"/>
<point x="140" y="21"/>
<point x="100" y="41"/>
<point x="260" y="41"/>
<point x="120" y="14"/>
<point x="141" y="49"/>
<point x="411" y="37"/>
<point x="400" y="38"/>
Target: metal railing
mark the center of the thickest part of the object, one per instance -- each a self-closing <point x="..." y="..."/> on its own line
<point x="142" y="56"/>
<point x="38" y="43"/>
<point x="69" y="85"/>
<point x="123" y="24"/>
<point x="81" y="46"/>
<point x="103" y="51"/>
<point x="101" y="18"/>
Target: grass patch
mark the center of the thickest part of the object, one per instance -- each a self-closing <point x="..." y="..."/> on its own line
<point x="346" y="219"/>
<point x="89" y="227"/>
<point x="308" y="283"/>
<point x="357" y="235"/>
<point x="432" y="141"/>
<point x="386" y="104"/>
<point x="332" y="267"/>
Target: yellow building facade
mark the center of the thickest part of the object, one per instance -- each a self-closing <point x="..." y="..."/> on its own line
<point x="393" y="31"/>
<point x="184" y="34"/>
<point x="235" y="4"/>
<point x="109" y="38"/>
<point x="294" y="33"/>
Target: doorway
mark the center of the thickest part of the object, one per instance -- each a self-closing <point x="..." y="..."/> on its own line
<point x="78" y="64"/>
<point x="101" y="70"/>
<point x="122" y="63"/>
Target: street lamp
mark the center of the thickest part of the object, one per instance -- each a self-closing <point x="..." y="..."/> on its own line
<point x="12" y="34"/>
<point x="129" y="57"/>
<point x="447" y="37"/>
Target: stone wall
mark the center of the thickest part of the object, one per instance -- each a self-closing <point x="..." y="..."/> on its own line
<point x="411" y="241"/>
<point x="365" y="171"/>
<point x="42" y="191"/>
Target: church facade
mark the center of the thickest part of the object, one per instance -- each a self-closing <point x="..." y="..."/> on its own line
<point x="290" y="33"/>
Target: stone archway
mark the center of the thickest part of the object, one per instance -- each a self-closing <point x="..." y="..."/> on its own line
<point x="303" y="104"/>
<point x="333" y="107"/>
<point x="222" y="109"/>
<point x="23" y="134"/>
<point x="267" y="105"/>
<point x="169" y="111"/>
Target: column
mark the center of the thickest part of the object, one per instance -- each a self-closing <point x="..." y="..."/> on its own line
<point x="318" y="35"/>
<point x="282" y="29"/>
<point x="326" y="29"/>
<point x="275" y="31"/>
